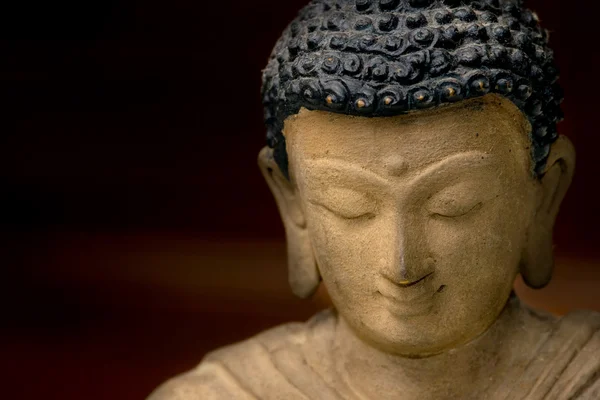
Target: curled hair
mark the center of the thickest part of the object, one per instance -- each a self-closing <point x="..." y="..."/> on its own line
<point x="386" y="57"/>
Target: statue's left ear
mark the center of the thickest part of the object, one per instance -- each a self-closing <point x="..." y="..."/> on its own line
<point x="538" y="261"/>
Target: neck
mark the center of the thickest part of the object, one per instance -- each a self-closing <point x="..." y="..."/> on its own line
<point x="457" y="373"/>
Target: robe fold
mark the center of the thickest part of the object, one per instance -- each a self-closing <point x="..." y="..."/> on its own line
<point x="294" y="361"/>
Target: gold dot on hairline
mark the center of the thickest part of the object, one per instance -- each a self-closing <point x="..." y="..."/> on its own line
<point x="451" y="92"/>
<point x="508" y="86"/>
<point x="388" y="100"/>
<point x="360" y="103"/>
<point x="329" y="99"/>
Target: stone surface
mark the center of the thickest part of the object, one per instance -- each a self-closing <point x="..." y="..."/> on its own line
<point x="418" y="225"/>
<point x="414" y="157"/>
<point x="556" y="359"/>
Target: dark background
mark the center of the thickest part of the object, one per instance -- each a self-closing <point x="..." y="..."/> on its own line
<point x="136" y="232"/>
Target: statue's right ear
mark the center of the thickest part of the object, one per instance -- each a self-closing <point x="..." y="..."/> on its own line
<point x="303" y="273"/>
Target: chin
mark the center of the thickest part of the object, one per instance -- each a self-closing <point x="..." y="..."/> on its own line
<point x="414" y="337"/>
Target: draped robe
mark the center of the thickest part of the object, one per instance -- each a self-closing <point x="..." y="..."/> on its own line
<point x="294" y="361"/>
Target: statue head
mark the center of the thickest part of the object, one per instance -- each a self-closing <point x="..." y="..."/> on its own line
<point x="414" y="157"/>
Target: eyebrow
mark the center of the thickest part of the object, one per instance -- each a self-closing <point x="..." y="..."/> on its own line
<point x="460" y="160"/>
<point x="349" y="169"/>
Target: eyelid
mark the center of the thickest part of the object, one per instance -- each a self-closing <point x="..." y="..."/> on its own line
<point x="348" y="216"/>
<point x="459" y="211"/>
<point x="458" y="200"/>
<point x="345" y="203"/>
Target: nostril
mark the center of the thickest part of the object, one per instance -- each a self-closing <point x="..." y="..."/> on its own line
<point x="441" y="289"/>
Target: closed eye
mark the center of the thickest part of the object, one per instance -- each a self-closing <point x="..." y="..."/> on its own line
<point x="460" y="199"/>
<point x="457" y="211"/>
<point x="347" y="215"/>
<point x="344" y="203"/>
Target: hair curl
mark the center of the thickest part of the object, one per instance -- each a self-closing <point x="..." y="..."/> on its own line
<point x="386" y="57"/>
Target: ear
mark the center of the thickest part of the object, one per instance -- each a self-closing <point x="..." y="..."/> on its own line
<point x="538" y="261"/>
<point x="303" y="273"/>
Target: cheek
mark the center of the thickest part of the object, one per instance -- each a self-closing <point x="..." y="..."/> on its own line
<point x="485" y="247"/>
<point x="347" y="252"/>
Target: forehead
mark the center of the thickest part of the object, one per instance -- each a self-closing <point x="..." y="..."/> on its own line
<point x="491" y="125"/>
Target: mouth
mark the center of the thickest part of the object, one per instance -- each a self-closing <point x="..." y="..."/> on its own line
<point x="408" y="298"/>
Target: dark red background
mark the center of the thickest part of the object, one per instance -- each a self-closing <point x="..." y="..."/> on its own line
<point x="136" y="230"/>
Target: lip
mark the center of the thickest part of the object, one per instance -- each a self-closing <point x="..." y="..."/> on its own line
<point x="407" y="299"/>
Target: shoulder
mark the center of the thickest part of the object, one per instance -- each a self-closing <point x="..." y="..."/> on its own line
<point x="578" y="357"/>
<point x="208" y="381"/>
<point x="566" y="360"/>
<point x="255" y="368"/>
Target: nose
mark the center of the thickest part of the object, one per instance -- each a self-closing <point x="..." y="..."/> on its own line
<point x="409" y="259"/>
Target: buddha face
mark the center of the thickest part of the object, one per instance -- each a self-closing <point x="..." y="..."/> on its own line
<point x="417" y="222"/>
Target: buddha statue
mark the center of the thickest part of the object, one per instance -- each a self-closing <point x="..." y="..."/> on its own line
<point x="414" y="157"/>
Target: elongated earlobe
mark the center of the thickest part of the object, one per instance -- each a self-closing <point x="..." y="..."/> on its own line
<point x="303" y="273"/>
<point x="537" y="264"/>
<point x="538" y="260"/>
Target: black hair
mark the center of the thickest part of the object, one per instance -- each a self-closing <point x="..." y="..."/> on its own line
<point x="386" y="57"/>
